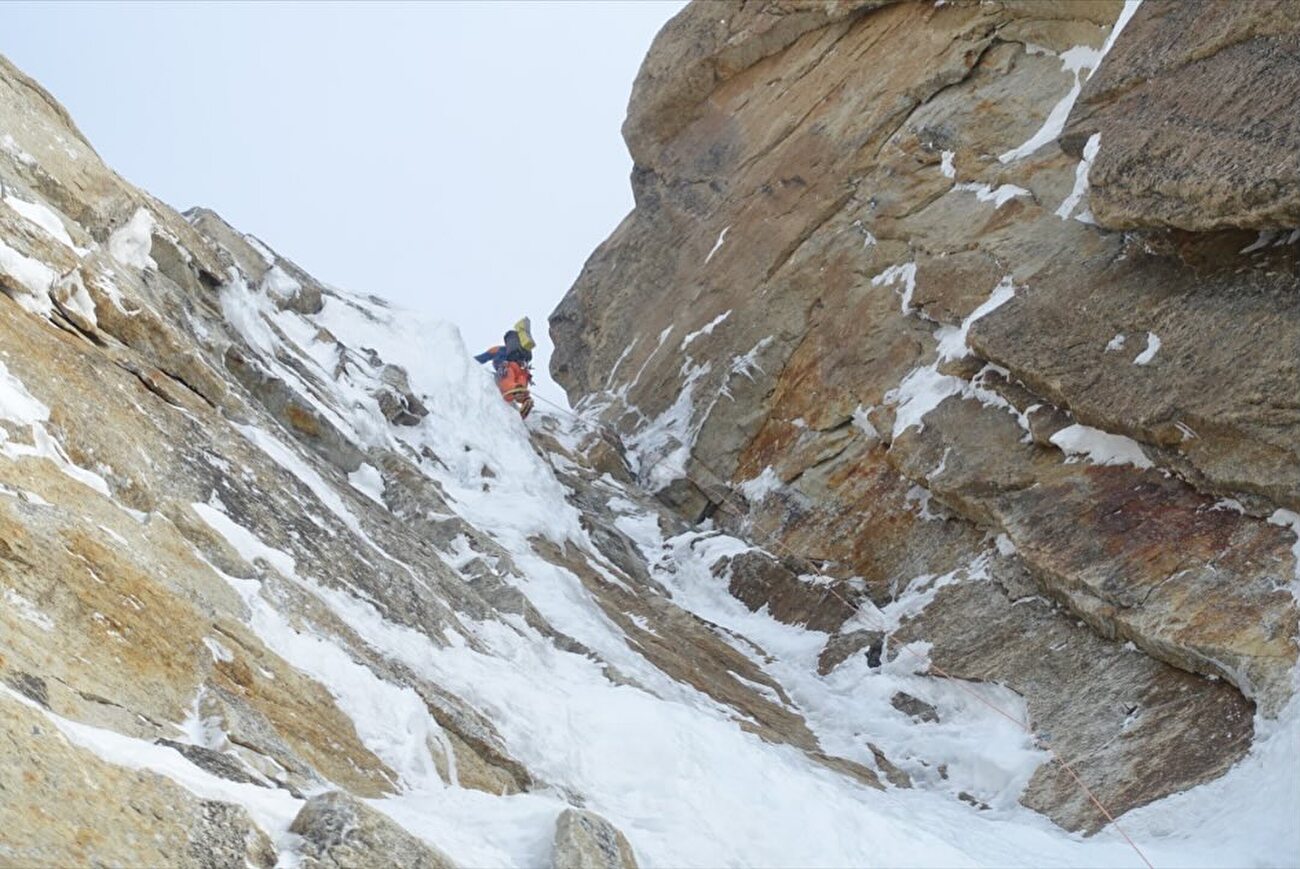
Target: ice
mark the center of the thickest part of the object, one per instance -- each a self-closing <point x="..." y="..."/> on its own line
<point x="673" y="768"/>
<point x="1100" y="447"/>
<point x="946" y="167"/>
<point x="613" y="371"/>
<point x="130" y="243"/>
<point x="1116" y="343"/>
<point x="663" y="446"/>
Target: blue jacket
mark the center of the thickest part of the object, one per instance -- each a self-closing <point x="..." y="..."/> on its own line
<point x="509" y="351"/>
<point x="495" y="355"/>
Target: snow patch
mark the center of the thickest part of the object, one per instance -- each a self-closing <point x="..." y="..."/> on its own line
<point x="1290" y="519"/>
<point x="20" y="406"/>
<point x="392" y="721"/>
<point x="757" y="489"/>
<point x="280" y="284"/>
<point x="76" y="300"/>
<point x="1100" y="447"/>
<point x="999" y="196"/>
<point x="262" y="250"/>
<point x="16" y="403"/>
<point x="131" y="243"/>
<point x="862" y="421"/>
<point x="42" y="216"/>
<point x="368" y="481"/>
<point x="953" y="343"/>
<point x="1081" y="181"/>
<point x="1076" y="60"/>
<point x="921" y="391"/>
<point x="705" y="330"/>
<point x="722" y="237"/>
<point x="1153" y="345"/>
<point x="272" y="809"/>
<point x="35" y="276"/>
<point x="904" y="274"/>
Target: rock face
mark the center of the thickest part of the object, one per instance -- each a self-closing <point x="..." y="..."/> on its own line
<point x="1193" y="111"/>
<point x="338" y="831"/>
<point x="880" y="430"/>
<point x="252" y="549"/>
<point x="55" y="812"/>
<point x="917" y="359"/>
<point x="585" y="840"/>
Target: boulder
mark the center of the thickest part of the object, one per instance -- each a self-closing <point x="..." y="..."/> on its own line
<point x="340" y="832"/>
<point x="585" y="840"/>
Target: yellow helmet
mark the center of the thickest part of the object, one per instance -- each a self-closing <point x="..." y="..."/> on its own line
<point x="524" y="328"/>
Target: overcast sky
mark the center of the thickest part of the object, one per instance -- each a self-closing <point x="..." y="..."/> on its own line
<point x="458" y="158"/>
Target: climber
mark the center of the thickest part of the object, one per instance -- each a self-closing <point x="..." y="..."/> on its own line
<point x="512" y="363"/>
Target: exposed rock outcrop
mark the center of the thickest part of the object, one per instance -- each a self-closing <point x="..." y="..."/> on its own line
<point x="63" y="806"/>
<point x="1194" y="109"/>
<point x="920" y="364"/>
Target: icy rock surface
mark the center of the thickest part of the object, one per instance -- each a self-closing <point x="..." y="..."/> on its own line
<point x="263" y="539"/>
<point x="907" y="375"/>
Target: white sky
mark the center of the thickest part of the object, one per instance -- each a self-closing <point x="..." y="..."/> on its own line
<point x="458" y="158"/>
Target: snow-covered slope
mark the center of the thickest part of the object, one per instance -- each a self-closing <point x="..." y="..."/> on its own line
<point x="262" y="540"/>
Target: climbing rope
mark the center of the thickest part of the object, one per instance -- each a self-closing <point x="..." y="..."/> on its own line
<point x="723" y="489"/>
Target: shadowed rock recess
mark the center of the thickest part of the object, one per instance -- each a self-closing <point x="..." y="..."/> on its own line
<point x="937" y="404"/>
<point x="872" y="305"/>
